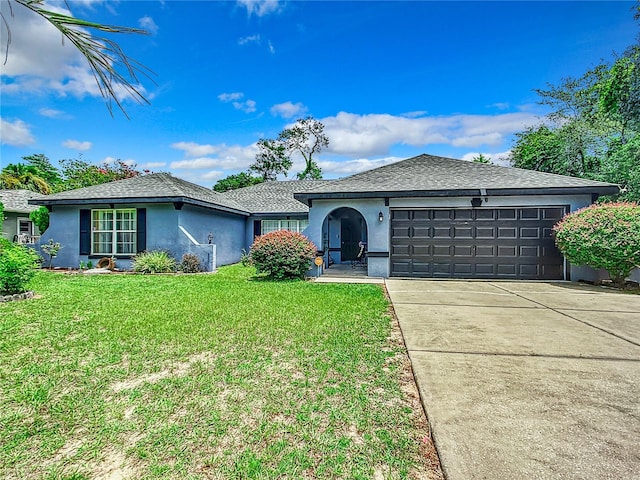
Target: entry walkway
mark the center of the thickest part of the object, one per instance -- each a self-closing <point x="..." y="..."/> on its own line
<point x="526" y="380"/>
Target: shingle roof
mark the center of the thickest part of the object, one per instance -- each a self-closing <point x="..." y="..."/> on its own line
<point x="274" y="197"/>
<point x="152" y="188"/>
<point x="17" y="200"/>
<point x="427" y="175"/>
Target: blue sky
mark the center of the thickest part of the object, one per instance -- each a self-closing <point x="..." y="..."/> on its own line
<point x="389" y="80"/>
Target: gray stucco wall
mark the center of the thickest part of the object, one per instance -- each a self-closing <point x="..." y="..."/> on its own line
<point x="10" y="224"/>
<point x="163" y="233"/>
<point x="379" y="236"/>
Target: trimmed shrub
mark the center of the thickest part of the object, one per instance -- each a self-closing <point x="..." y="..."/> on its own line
<point x="282" y="254"/>
<point x="17" y="267"/>
<point x="602" y="236"/>
<point x="154" y="261"/>
<point x="190" y="264"/>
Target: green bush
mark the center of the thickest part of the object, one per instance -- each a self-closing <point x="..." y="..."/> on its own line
<point x="155" y="261"/>
<point x="17" y="267"/>
<point x="282" y="254"/>
<point x="41" y="218"/>
<point x="190" y="264"/>
<point x="602" y="236"/>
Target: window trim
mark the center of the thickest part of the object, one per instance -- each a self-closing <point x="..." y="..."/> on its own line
<point x="114" y="233"/>
<point x="299" y="222"/>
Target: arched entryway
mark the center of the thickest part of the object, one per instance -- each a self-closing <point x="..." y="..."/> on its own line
<point x="342" y="230"/>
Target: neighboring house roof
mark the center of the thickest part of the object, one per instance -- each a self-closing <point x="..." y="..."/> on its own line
<point x="18" y="200"/>
<point x="427" y="175"/>
<point x="152" y="188"/>
<point x="274" y="197"/>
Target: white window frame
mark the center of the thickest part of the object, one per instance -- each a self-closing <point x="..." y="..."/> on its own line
<point x="273" y="225"/>
<point x="117" y="247"/>
<point x="22" y="220"/>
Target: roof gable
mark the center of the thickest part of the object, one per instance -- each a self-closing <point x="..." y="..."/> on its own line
<point x="151" y="188"/>
<point x="18" y="200"/>
<point x="428" y="175"/>
<point x="274" y="197"/>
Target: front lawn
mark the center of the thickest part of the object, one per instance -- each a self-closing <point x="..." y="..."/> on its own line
<point x="205" y="376"/>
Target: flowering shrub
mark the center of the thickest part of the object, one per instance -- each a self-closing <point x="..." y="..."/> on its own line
<point x="17" y="267"/>
<point x="602" y="236"/>
<point x="282" y="254"/>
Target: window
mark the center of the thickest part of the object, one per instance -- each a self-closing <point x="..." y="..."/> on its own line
<point x="292" y="225"/>
<point x="113" y="232"/>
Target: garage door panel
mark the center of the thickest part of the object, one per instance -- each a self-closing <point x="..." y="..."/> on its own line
<point x="507" y="232"/>
<point x="486" y="250"/>
<point x="485" y="232"/>
<point x="421" y="231"/>
<point x="507" y="251"/>
<point x="476" y="243"/>
<point x="442" y="232"/>
<point x="442" y="250"/>
<point x="463" y="250"/>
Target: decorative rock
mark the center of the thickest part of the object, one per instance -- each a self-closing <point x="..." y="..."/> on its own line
<point x="16" y="297"/>
<point x="97" y="271"/>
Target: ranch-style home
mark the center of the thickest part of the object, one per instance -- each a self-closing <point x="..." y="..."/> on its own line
<point x="426" y="216"/>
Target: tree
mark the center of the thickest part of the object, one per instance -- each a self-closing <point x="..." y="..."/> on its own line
<point x="480" y="158"/>
<point x="21" y="176"/>
<point x="111" y="67"/>
<point x="239" y="180"/>
<point x="45" y="169"/>
<point x="78" y="173"/>
<point x="307" y="138"/>
<point x="593" y="128"/>
<point x="271" y="159"/>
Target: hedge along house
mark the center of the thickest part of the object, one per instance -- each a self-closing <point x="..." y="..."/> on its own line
<point x="438" y="217"/>
<point x="17" y="226"/>
<point x="149" y="212"/>
<point x="422" y="217"/>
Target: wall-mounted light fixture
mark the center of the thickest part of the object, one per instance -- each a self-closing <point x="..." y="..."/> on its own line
<point x="380" y="217"/>
<point x="476" y="202"/>
<point x="210" y="238"/>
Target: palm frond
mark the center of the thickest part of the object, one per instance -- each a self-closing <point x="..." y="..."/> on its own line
<point x="110" y="66"/>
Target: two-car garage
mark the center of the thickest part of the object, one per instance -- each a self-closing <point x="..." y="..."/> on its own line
<point x="513" y="243"/>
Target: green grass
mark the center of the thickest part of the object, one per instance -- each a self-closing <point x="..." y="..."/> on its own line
<point x="203" y="376"/>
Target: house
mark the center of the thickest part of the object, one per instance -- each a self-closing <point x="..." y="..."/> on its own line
<point x="426" y="216"/>
<point x="17" y="227"/>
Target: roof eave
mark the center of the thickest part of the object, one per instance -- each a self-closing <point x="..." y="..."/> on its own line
<point x="304" y="197"/>
<point x="126" y="200"/>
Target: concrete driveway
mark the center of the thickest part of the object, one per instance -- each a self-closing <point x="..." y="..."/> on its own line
<point x="526" y="380"/>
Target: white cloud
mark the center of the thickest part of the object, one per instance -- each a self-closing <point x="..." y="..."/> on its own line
<point x="222" y="156"/>
<point x="374" y="134"/>
<point x="192" y="149"/>
<point x="148" y="24"/>
<point x="77" y="145"/>
<point x="229" y="97"/>
<point x="349" y="167"/>
<point x="15" y="133"/>
<point x="249" y="39"/>
<point x="261" y="7"/>
<point x="247" y="107"/>
<point x="52" y="113"/>
<point x="272" y="49"/>
<point x="288" y="109"/>
<point x="150" y="165"/>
